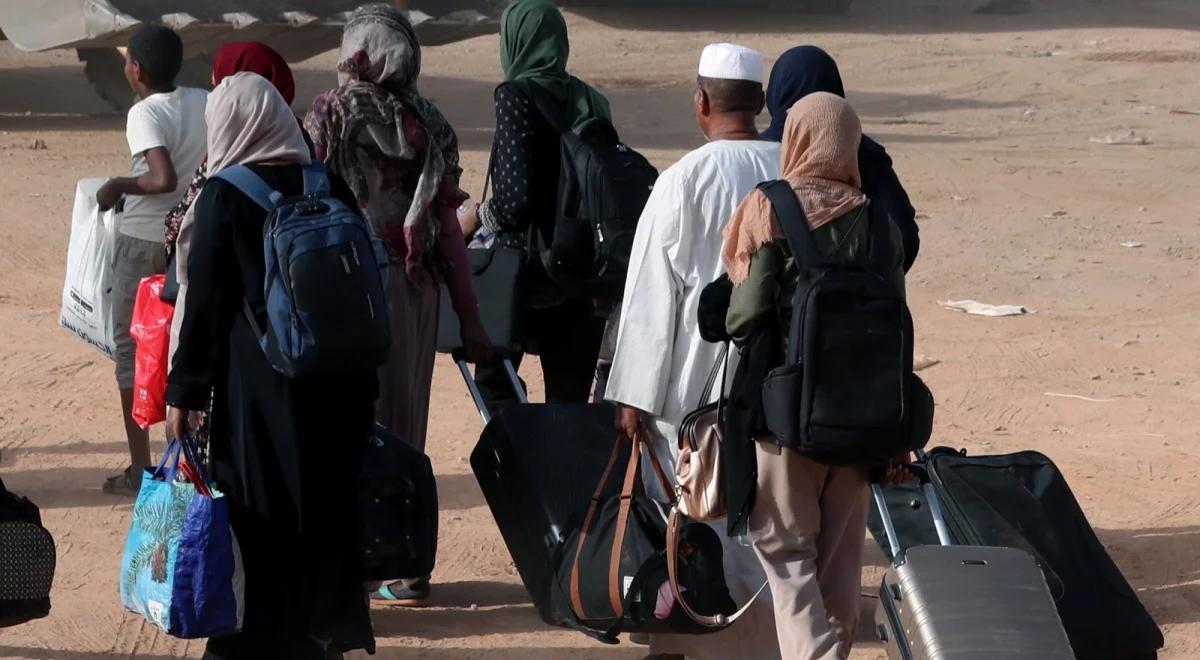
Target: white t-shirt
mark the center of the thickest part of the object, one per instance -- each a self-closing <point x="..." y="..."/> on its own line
<point x="174" y="121"/>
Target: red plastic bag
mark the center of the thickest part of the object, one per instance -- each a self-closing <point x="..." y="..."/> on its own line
<point x="151" y="331"/>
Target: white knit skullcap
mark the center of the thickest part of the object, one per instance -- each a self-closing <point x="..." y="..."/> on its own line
<point x="731" y="62"/>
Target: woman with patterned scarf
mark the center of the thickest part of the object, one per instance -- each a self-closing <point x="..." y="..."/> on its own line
<point x="400" y="157"/>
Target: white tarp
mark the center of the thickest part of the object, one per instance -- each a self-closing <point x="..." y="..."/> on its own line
<point x="85" y="302"/>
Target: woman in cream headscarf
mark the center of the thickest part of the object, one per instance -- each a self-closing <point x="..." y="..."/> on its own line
<point x="806" y="519"/>
<point x="286" y="452"/>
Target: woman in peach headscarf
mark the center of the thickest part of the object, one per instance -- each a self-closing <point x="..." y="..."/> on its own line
<point x="807" y="518"/>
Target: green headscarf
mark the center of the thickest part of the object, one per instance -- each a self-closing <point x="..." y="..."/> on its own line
<point x="534" y="47"/>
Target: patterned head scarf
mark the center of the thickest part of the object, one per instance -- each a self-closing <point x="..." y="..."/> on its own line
<point x="390" y="144"/>
<point x="534" y="47"/>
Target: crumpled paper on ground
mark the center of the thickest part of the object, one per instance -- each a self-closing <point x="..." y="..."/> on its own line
<point x="983" y="309"/>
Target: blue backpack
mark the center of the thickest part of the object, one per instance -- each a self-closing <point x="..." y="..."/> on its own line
<point x="325" y="279"/>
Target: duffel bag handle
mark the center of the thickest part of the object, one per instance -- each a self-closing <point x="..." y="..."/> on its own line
<point x="629" y="486"/>
<point x="674" y="526"/>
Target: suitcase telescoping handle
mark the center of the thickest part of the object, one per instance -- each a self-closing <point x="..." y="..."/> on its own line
<point x="935" y="511"/>
<point x="464" y="368"/>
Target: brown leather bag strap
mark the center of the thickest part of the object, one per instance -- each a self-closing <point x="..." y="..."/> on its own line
<point x="674" y="526"/>
<point x="576" y="594"/>
<point x="632" y="478"/>
<point x="663" y="480"/>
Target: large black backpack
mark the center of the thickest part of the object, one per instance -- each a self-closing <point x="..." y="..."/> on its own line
<point x="846" y="393"/>
<point x="27" y="561"/>
<point x="603" y="186"/>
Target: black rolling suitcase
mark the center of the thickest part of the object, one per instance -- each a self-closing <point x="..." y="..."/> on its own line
<point x="537" y="465"/>
<point x="1023" y="501"/>
<point x="947" y="602"/>
<point x="398" y="496"/>
<point x="27" y="561"/>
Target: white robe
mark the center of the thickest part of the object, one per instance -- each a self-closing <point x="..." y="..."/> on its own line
<point x="661" y="363"/>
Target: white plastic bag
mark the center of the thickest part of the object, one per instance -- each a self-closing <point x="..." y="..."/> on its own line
<point x="86" y="310"/>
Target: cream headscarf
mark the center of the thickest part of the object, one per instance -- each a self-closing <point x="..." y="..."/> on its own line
<point x="248" y="122"/>
<point x="820" y="161"/>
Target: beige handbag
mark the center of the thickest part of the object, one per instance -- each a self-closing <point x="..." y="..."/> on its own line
<point x="701" y="483"/>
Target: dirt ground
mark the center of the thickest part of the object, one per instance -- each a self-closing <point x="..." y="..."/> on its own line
<point x="997" y="127"/>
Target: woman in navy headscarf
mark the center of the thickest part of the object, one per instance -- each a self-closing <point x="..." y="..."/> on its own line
<point x="806" y="69"/>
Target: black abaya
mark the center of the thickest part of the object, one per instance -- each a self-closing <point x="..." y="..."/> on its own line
<point x="287" y="452"/>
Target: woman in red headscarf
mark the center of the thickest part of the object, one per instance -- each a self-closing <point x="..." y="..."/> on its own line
<point x="252" y="56"/>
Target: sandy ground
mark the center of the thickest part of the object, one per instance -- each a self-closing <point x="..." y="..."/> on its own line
<point x="990" y="120"/>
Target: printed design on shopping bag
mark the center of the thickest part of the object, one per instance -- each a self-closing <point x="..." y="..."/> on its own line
<point x="86" y="309"/>
<point x="148" y="564"/>
<point x="181" y="569"/>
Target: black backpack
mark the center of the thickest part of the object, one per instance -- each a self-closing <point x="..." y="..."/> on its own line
<point x="27" y="560"/>
<point x="846" y="393"/>
<point x="398" y="494"/>
<point x="603" y="186"/>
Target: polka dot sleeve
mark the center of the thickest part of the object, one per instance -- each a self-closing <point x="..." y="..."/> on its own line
<point x="512" y="163"/>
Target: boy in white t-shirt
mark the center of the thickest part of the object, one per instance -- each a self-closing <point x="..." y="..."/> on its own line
<point x="168" y="139"/>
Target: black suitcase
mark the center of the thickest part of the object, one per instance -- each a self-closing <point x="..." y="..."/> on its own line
<point x="398" y="494"/>
<point x="1021" y="500"/>
<point x="27" y="561"/>
<point x="947" y="602"/>
<point x="537" y="465"/>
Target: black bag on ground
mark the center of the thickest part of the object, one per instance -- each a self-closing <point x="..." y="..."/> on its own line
<point x="399" y="500"/>
<point x="603" y="187"/>
<point x="615" y="565"/>
<point x="27" y="561"/>
<point x="846" y="394"/>
<point x="537" y="465"/>
<point x="1023" y="501"/>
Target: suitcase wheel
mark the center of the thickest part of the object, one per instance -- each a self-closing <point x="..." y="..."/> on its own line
<point x="881" y="632"/>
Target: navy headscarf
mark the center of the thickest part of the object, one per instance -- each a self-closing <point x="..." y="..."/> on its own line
<point x="806" y="69"/>
<point x="798" y="73"/>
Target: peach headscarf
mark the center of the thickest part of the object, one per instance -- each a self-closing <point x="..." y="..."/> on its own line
<point x="820" y="161"/>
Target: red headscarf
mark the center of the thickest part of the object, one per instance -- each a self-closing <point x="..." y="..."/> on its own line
<point x="255" y="57"/>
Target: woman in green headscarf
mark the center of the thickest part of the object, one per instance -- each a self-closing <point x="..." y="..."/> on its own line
<point x="534" y="48"/>
<point x="537" y="101"/>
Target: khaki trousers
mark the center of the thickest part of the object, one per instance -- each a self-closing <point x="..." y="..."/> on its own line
<point x="807" y="526"/>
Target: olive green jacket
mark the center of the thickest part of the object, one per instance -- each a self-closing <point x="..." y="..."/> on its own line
<point x="771" y="283"/>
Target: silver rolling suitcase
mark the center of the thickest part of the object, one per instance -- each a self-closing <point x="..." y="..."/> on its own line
<point x="951" y="602"/>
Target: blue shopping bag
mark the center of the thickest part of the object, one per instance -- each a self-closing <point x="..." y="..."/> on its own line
<point x="181" y="569"/>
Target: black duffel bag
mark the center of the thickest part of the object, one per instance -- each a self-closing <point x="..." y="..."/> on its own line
<point x="398" y="495"/>
<point x="27" y="561"/>
<point x="624" y="568"/>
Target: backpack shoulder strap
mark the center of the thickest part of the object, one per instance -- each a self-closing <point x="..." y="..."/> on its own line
<point x="244" y="179"/>
<point x="316" y="180"/>
<point x="793" y="221"/>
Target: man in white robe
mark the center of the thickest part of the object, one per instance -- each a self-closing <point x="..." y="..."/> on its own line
<point x="661" y="363"/>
